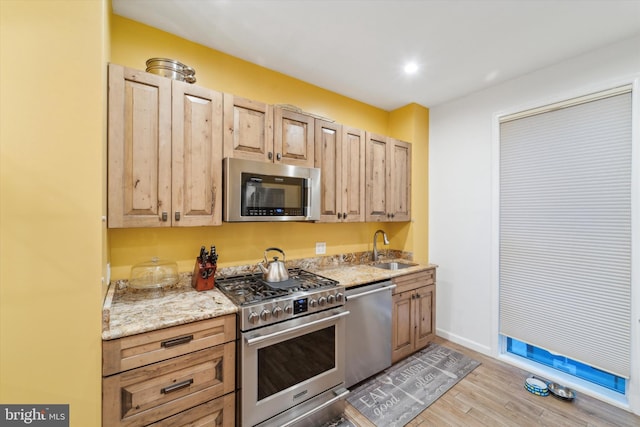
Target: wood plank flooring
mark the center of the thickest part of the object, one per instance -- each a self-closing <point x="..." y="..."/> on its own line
<point x="494" y="395"/>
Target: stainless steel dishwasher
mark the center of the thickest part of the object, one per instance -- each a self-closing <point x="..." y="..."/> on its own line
<point x="368" y="347"/>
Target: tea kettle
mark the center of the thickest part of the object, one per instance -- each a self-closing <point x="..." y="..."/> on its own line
<point x="275" y="271"/>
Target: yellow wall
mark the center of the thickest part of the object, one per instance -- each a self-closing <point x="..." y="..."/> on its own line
<point x="411" y="123"/>
<point x="133" y="43"/>
<point x="52" y="145"/>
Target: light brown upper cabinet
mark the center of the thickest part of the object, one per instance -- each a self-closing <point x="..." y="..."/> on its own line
<point x="293" y="138"/>
<point x="257" y="131"/>
<point x="388" y="179"/>
<point x="165" y="152"/>
<point x="248" y="129"/>
<point x="339" y="152"/>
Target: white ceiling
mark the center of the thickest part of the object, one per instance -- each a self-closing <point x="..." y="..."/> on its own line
<point x="358" y="47"/>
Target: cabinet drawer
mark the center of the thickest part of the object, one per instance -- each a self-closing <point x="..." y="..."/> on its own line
<point x="412" y="281"/>
<point x="138" y="350"/>
<point x="141" y="396"/>
<point x="215" y="413"/>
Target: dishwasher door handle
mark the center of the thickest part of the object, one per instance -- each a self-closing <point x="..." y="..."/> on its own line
<point x="373" y="291"/>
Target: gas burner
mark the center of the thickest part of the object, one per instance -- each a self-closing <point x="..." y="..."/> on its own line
<point x="250" y="289"/>
<point x="264" y="303"/>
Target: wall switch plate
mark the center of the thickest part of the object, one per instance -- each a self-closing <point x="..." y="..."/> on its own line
<point x="321" y="248"/>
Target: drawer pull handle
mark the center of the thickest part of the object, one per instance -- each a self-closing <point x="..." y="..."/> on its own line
<point x="178" y="386"/>
<point x="177" y="341"/>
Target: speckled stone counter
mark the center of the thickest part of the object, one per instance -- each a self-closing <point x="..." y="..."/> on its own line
<point x="131" y="311"/>
<point x="359" y="274"/>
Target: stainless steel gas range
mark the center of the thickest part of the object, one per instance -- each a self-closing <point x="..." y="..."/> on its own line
<point x="291" y="366"/>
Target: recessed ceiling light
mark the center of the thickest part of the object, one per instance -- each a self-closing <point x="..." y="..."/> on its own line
<point x="411" y="68"/>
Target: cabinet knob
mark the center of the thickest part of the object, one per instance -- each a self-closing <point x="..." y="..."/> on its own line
<point x="339" y="215"/>
<point x="177" y="216"/>
<point x="344" y="215"/>
<point x="165" y="217"/>
<point x="278" y="156"/>
<point x="270" y="155"/>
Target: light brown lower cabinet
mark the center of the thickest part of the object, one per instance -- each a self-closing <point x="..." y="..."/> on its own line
<point x="193" y="388"/>
<point x="413" y="314"/>
<point x="216" y="413"/>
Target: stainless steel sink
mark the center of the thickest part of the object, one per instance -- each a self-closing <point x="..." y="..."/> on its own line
<point x="394" y="265"/>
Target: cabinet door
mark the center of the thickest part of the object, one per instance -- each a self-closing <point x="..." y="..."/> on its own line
<point x="377" y="178"/>
<point x="402" y="324"/>
<point x="216" y="413"/>
<point x="248" y="129"/>
<point x="139" y="153"/>
<point x="353" y="174"/>
<point x="328" y="157"/>
<point x="424" y="316"/>
<point x="293" y="137"/>
<point x="196" y="156"/>
<point x="153" y="392"/>
<point x="400" y="177"/>
<point x="134" y="351"/>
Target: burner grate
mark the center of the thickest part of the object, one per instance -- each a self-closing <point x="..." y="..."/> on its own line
<point x="248" y="289"/>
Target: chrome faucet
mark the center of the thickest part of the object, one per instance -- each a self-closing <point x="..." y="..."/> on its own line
<point x="375" y="247"/>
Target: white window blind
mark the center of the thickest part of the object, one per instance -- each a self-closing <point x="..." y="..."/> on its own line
<point x="565" y="229"/>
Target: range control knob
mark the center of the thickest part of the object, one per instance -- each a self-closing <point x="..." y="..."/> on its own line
<point x="339" y="297"/>
<point x="313" y="303"/>
<point x="322" y="301"/>
<point x="253" y="317"/>
<point x="288" y="309"/>
<point x="331" y="299"/>
<point x="265" y="315"/>
<point x="277" y="312"/>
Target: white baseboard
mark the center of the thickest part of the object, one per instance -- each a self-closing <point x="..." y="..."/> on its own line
<point x="480" y="348"/>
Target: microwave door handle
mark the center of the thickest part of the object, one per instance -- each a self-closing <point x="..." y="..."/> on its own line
<point x="259" y="339"/>
<point x="308" y="201"/>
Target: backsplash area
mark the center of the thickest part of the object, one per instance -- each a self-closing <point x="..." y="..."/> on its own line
<point x="315" y="263"/>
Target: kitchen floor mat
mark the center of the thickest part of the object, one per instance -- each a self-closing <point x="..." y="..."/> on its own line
<point x="400" y="393"/>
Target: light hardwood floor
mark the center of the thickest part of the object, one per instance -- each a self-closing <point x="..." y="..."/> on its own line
<point x="494" y="395"/>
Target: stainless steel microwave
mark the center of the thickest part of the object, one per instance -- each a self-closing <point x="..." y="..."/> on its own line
<point x="261" y="191"/>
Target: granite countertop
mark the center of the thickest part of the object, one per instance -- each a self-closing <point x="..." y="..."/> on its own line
<point x="133" y="311"/>
<point x="128" y="311"/>
<point x="359" y="274"/>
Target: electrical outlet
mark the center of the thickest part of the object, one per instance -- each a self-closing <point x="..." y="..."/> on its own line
<point x="321" y="248"/>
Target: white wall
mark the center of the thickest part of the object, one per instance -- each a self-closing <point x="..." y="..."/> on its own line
<point x="461" y="179"/>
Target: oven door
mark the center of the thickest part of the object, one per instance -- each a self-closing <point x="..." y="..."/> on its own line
<point x="285" y="364"/>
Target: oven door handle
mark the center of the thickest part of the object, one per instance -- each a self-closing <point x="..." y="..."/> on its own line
<point x="256" y="340"/>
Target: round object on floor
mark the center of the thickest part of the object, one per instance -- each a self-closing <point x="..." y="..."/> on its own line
<point x="561" y="392"/>
<point x="536" y="386"/>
